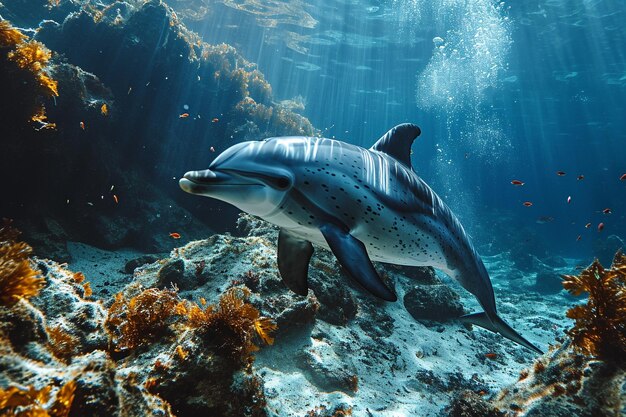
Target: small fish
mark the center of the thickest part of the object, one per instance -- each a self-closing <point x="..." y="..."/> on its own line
<point x="82" y="125"/>
<point x="89" y="203"/>
<point x="607" y="211"/>
<point x="175" y="235"/>
<point x="491" y="355"/>
<point x="560" y="173"/>
<point x="580" y="177"/>
<point x="528" y="203"/>
<point x="588" y="225"/>
<point x="183" y="116"/>
<point x="104" y="109"/>
<point x="129" y="90"/>
<point x="569" y="199"/>
<point x="517" y="182"/>
<point x="578" y="238"/>
<point x="112" y="187"/>
<point x="117" y="200"/>
<point x="212" y="149"/>
<point x="215" y="120"/>
<point x="623" y="177"/>
<point x="600" y="227"/>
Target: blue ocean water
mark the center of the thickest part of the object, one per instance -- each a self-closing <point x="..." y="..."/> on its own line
<point x="502" y="91"/>
<point x="521" y="107"/>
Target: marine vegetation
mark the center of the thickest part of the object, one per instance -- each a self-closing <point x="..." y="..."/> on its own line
<point x="584" y="375"/>
<point x="600" y="324"/>
<point x="32" y="402"/>
<point x="141" y="319"/>
<point x="25" y="79"/>
<point x="230" y="325"/>
<point x="17" y="277"/>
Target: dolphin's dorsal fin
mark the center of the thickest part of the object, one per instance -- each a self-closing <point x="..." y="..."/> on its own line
<point x="397" y="142"/>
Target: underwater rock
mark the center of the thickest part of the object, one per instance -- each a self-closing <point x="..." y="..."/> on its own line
<point x="172" y="274"/>
<point x="470" y="404"/>
<point x="548" y="282"/>
<point x="337" y="303"/>
<point x="564" y="383"/>
<point x="48" y="236"/>
<point x="424" y="275"/>
<point x="326" y="369"/>
<point x="433" y="302"/>
<point x="133" y="264"/>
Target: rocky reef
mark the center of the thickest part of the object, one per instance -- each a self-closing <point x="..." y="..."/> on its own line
<point x="585" y="374"/>
<point x="104" y="105"/>
<point x="212" y="329"/>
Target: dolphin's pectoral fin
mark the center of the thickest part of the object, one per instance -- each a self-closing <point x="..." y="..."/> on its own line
<point x="397" y="142"/>
<point x="351" y="254"/>
<point x="497" y="325"/>
<point x="294" y="255"/>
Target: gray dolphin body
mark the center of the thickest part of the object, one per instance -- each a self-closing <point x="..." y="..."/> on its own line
<point x="362" y="204"/>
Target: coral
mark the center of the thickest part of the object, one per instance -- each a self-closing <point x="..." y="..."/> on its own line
<point x="600" y="327"/>
<point x="17" y="278"/>
<point x="141" y="319"/>
<point x="230" y="326"/>
<point x="33" y="402"/>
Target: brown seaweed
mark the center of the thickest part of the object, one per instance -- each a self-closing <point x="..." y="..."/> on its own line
<point x="17" y="277"/>
<point x="600" y="324"/>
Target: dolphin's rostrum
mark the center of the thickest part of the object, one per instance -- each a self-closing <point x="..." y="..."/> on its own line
<point x="362" y="204"/>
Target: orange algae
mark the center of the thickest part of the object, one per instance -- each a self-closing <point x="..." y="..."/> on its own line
<point x="62" y="344"/>
<point x="231" y="324"/>
<point x="33" y="402"/>
<point x="600" y="324"/>
<point x="34" y="56"/>
<point x="10" y="36"/>
<point x="17" y="278"/>
<point x="141" y="319"/>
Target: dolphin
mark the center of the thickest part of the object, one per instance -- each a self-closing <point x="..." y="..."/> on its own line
<point x="363" y="204"/>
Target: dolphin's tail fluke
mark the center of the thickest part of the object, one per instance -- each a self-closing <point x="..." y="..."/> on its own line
<point x="497" y="325"/>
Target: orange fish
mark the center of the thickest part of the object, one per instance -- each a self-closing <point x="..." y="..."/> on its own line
<point x="600" y="227"/>
<point x="117" y="200"/>
<point x="491" y="355"/>
<point x="580" y="177"/>
<point x="82" y="125"/>
<point x="212" y="149"/>
<point x="215" y="120"/>
<point x="517" y="182"/>
<point x="175" y="235"/>
<point x="588" y="225"/>
<point x="104" y="109"/>
<point x="606" y="211"/>
<point x="183" y="116"/>
<point x="560" y="173"/>
<point x="528" y="203"/>
<point x="578" y="238"/>
<point x="623" y="177"/>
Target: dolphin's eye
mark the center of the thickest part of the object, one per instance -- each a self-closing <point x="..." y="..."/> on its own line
<point x="282" y="183"/>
